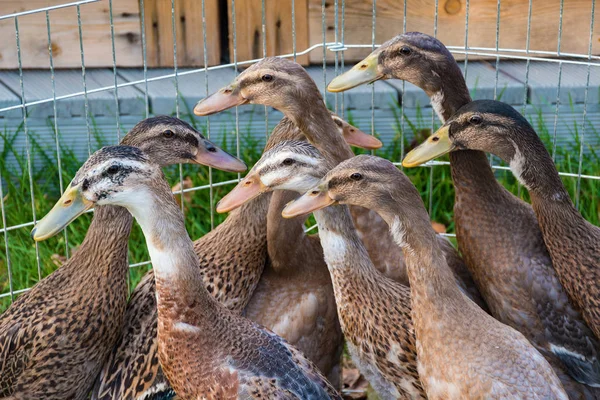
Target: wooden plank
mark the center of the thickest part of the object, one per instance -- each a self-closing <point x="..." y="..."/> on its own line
<point x="65" y="35"/>
<point x="278" y="28"/>
<point x="451" y="24"/>
<point x="188" y="25"/>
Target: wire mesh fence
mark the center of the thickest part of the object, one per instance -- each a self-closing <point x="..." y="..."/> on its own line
<point x="21" y="175"/>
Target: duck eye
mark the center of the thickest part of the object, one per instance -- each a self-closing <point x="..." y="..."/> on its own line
<point x="404" y="50"/>
<point x="85" y="185"/>
<point x="356" y="176"/>
<point x="168" y="134"/>
<point x="288" y="161"/>
<point x="267" y="78"/>
<point x="475" y="119"/>
<point x="113" y="169"/>
<point x="338" y="122"/>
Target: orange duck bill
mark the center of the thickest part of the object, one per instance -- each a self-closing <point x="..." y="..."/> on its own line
<point x="248" y="188"/>
<point x="311" y="201"/>
<point x="222" y="100"/>
<point x="358" y="138"/>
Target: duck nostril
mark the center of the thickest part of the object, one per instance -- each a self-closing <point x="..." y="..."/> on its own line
<point x="248" y="183"/>
<point x="435" y="139"/>
<point x="211" y="149"/>
<point x="67" y="202"/>
<point x="314" y="192"/>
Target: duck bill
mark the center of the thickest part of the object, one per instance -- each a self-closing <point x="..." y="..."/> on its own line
<point x="366" y="71"/>
<point x="70" y="206"/>
<point x="358" y="138"/>
<point x="224" y="99"/>
<point x="248" y="188"/>
<point x="435" y="146"/>
<point x="307" y="203"/>
<point x="213" y="156"/>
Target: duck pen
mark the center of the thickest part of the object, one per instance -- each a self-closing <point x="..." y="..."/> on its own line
<point x="76" y="76"/>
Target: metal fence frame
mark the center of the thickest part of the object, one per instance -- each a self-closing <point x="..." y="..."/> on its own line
<point x="337" y="46"/>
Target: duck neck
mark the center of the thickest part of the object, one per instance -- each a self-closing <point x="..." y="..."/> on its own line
<point x="532" y="165"/>
<point x="470" y="169"/>
<point x="343" y="250"/>
<point x="180" y="292"/>
<point x="314" y="120"/>
<point x="449" y="94"/>
<point x="107" y="239"/>
<point x="283" y="235"/>
<point x="431" y="279"/>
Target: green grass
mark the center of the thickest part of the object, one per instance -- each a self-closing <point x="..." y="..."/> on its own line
<point x="17" y="196"/>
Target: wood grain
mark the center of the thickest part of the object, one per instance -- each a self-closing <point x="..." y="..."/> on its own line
<point x="188" y="26"/>
<point x="278" y="28"/>
<point x="65" y="35"/>
<point x="451" y="24"/>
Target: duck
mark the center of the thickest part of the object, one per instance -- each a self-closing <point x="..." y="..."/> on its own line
<point x="205" y="350"/>
<point x="55" y="337"/>
<point x="284" y="85"/>
<point x="374" y="310"/>
<point x="497" y="233"/>
<point x="462" y="352"/>
<point x="133" y="371"/>
<point x="572" y="242"/>
<point x="294" y="297"/>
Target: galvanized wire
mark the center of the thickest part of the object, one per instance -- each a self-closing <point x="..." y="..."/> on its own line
<point x="55" y="114"/>
<point x="585" y="104"/>
<point x="211" y="191"/>
<point x="85" y="93"/>
<point x="27" y="142"/>
<point x="114" y="60"/>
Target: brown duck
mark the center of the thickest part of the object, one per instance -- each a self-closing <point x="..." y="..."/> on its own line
<point x="206" y="351"/>
<point x="497" y="233"/>
<point x="374" y="310"/>
<point x="573" y="243"/>
<point x="132" y="370"/>
<point x="55" y="337"/>
<point x="463" y="353"/>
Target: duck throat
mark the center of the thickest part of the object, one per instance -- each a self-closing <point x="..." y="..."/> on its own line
<point x="533" y="167"/>
<point x="342" y="249"/>
<point x="179" y="285"/>
<point x="430" y="277"/>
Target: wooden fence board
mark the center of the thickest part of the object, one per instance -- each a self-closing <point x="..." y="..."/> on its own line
<point x="189" y="31"/>
<point x="278" y="29"/>
<point x="65" y="35"/>
<point x="451" y="24"/>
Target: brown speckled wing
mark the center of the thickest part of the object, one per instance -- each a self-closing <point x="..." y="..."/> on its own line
<point x="133" y="370"/>
<point x="569" y="338"/>
<point x="14" y="356"/>
<point x="274" y="363"/>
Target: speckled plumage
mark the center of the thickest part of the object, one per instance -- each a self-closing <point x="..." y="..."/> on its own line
<point x="205" y="349"/>
<point x="497" y="233"/>
<point x="68" y="319"/>
<point x="232" y="258"/>
<point x="462" y="351"/>
<point x="55" y="338"/>
<point x="374" y="310"/>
